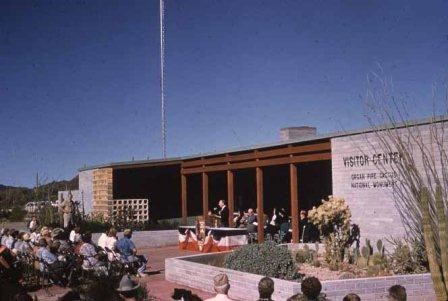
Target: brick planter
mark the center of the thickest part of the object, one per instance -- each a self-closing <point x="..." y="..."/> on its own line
<point x="197" y="271"/>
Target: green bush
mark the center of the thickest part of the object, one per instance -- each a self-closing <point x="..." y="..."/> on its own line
<point x="265" y="259"/>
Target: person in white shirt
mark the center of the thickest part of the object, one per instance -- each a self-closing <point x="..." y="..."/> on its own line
<point x="75" y="236"/>
<point x="222" y="286"/>
<point x="35" y="236"/>
<point x="111" y="245"/>
<point x="33" y="224"/>
<point x="102" y="239"/>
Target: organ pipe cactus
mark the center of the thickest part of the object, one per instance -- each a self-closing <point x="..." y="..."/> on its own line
<point x="438" y="265"/>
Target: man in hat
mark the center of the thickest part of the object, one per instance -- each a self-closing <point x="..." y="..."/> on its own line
<point x="128" y="252"/>
<point x="26" y="247"/>
<point x="222" y="286"/>
<point x="127" y="288"/>
<point x="57" y="236"/>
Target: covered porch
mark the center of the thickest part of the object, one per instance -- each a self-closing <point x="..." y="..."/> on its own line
<point x="293" y="176"/>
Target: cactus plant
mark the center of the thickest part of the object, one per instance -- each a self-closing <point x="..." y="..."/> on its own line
<point x="438" y="265"/>
<point x="369" y="246"/>
<point x="365" y="252"/>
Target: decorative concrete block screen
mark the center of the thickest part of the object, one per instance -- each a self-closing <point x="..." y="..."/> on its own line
<point x="197" y="271"/>
<point x="138" y="208"/>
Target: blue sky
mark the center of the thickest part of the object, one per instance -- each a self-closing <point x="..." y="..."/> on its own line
<point x="79" y="80"/>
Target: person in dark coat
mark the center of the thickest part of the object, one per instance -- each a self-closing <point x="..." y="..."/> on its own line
<point x="223" y="213"/>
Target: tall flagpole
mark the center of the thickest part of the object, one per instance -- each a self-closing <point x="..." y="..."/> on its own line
<point x="162" y="77"/>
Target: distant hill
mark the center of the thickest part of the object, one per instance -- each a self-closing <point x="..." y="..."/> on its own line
<point x="11" y="196"/>
<point x="4" y="187"/>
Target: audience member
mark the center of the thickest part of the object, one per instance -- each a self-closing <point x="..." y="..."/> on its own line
<point x="10" y="242"/>
<point x="25" y="247"/>
<point x="89" y="253"/>
<point x="46" y="234"/>
<point x="19" y="242"/>
<point x="5" y="236"/>
<point x="128" y="252"/>
<point x="75" y="235"/>
<point x="57" y="236"/>
<point x="311" y="288"/>
<point x="222" y="286"/>
<point x="102" y="239"/>
<point x="35" y="236"/>
<point x="265" y="289"/>
<point x="396" y="293"/>
<point x="351" y="297"/>
<point x="111" y="245"/>
<point x="127" y="288"/>
<point x="33" y="224"/>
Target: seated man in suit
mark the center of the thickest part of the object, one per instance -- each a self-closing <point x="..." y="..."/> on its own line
<point x="251" y="221"/>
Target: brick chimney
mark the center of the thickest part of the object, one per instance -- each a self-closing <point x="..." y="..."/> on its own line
<point x="297" y="132"/>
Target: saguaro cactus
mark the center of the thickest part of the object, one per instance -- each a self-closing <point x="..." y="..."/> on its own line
<point x="438" y="263"/>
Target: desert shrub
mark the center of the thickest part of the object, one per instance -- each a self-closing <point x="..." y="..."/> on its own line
<point x="305" y="255"/>
<point x="332" y="218"/>
<point x="265" y="259"/>
<point x="407" y="257"/>
<point x="47" y="215"/>
<point x="332" y="214"/>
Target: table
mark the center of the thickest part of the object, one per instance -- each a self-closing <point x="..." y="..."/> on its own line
<point x="214" y="240"/>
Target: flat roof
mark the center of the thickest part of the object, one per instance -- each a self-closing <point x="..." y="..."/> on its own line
<point x="307" y="139"/>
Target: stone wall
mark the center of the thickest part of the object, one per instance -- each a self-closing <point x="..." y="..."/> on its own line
<point x="102" y="190"/>
<point x="189" y="271"/>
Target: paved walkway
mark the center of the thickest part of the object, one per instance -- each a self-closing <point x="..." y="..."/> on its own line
<point x="155" y="282"/>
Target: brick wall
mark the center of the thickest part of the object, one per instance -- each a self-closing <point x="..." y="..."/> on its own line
<point x="358" y="181"/>
<point x="244" y="286"/>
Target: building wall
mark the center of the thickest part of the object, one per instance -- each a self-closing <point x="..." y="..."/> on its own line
<point x="85" y="189"/>
<point x="102" y="190"/>
<point x="363" y="176"/>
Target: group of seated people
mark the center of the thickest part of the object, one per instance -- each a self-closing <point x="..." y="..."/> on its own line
<point x="56" y="252"/>
<point x="311" y="289"/>
<point x="277" y="223"/>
